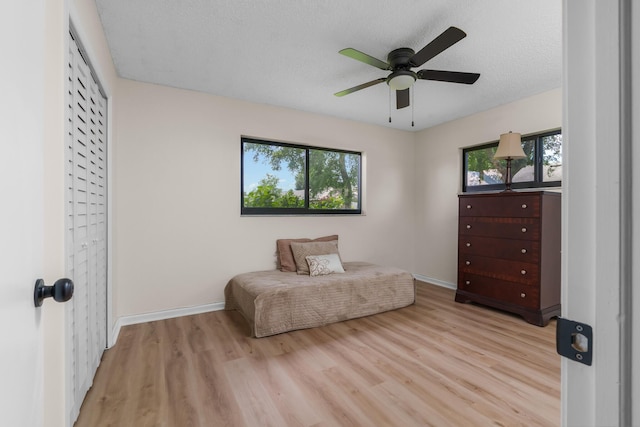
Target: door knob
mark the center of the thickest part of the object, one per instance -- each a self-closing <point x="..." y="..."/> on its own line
<point x="61" y="291"/>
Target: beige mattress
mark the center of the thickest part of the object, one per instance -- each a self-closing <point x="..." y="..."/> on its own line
<point x="274" y="301"/>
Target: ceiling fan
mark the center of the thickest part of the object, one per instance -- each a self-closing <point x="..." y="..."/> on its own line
<point x="400" y="61"/>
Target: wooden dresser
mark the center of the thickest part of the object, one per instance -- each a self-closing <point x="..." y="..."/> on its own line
<point x="509" y="253"/>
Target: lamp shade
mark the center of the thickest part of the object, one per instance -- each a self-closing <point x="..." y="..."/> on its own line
<point x="510" y="147"/>
<point x="401" y="80"/>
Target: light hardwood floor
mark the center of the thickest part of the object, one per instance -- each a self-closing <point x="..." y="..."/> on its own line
<point x="435" y="363"/>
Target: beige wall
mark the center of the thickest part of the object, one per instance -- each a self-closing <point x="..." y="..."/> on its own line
<point x="439" y="176"/>
<point x="178" y="233"/>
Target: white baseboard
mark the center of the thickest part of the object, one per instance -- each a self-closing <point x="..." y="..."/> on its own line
<point x="162" y="315"/>
<point x="435" y="281"/>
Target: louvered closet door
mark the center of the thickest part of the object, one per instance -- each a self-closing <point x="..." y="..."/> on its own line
<point x="86" y="227"/>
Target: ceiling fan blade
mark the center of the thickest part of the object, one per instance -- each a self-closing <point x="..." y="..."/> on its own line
<point x="363" y="57"/>
<point x="362" y="86"/>
<point x="448" y="76"/>
<point x="448" y="38"/>
<point x="402" y="98"/>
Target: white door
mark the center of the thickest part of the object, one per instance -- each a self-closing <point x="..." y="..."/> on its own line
<point x="86" y="222"/>
<point x="21" y="211"/>
<point x="599" y="209"/>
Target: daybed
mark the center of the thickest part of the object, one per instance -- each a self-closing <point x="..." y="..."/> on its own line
<point x="277" y="301"/>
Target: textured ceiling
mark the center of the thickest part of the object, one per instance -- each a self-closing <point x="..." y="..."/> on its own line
<point x="285" y="52"/>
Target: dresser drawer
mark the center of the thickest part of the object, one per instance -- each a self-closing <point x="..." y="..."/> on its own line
<point x="505" y="291"/>
<point x="527" y="206"/>
<point x="517" y="250"/>
<point x="508" y="228"/>
<point x="503" y="269"/>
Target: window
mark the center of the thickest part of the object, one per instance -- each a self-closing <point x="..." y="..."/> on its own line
<point x="290" y="179"/>
<point x="542" y="166"/>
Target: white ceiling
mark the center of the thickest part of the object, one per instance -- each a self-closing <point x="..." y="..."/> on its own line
<point x="285" y="52"/>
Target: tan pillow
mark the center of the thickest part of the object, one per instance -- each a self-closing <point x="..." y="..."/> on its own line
<point x="286" y="262"/>
<point x="302" y="250"/>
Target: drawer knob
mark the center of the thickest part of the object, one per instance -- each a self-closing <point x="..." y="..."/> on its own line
<point x="524" y="206"/>
<point x="468" y="206"/>
<point x="523" y="272"/>
<point x="467" y="262"/>
<point x="524" y="229"/>
<point x="523" y="250"/>
<point x="523" y="295"/>
<point x="468" y="244"/>
<point x="467" y="282"/>
<point x="468" y="226"/>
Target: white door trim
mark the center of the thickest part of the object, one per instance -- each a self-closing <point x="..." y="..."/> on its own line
<point x="633" y="74"/>
<point x="597" y="207"/>
<point x="626" y="214"/>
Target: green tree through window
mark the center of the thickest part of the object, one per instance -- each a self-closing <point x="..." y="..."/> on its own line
<point x="295" y="179"/>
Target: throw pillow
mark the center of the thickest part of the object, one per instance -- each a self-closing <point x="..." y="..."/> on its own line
<point x="286" y="262"/>
<point x="302" y="250"/>
<point x="320" y="265"/>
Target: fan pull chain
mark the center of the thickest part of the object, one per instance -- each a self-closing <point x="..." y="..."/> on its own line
<point x="412" y="104"/>
<point x="390" y="91"/>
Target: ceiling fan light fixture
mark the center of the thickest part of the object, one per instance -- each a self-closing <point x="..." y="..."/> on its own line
<point x="401" y="79"/>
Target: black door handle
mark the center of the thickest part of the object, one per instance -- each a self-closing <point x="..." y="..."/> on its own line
<point x="61" y="291"/>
